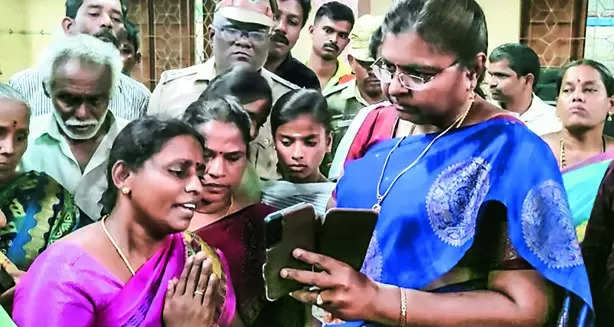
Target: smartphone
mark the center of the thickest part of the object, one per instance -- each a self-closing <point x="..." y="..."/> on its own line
<point x="286" y="230"/>
<point x="346" y="233"/>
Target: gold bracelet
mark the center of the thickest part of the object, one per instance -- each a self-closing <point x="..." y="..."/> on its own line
<point x="403" y="317"/>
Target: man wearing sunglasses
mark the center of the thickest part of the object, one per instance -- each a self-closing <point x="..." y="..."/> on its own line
<point x="345" y="100"/>
<point x="239" y="35"/>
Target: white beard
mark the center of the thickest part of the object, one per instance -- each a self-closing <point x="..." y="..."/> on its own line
<point x="75" y="136"/>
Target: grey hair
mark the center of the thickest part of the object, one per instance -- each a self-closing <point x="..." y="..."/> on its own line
<point x="8" y="92"/>
<point x="85" y="48"/>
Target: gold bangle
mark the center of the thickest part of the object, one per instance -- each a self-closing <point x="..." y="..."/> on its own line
<point x="403" y="317"/>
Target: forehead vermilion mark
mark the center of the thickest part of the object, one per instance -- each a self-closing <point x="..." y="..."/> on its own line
<point x="14" y="123"/>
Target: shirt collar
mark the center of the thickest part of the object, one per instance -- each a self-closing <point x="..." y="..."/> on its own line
<point x="535" y="109"/>
<point x="206" y="71"/>
<point x="342" y="70"/>
<point x="350" y="91"/>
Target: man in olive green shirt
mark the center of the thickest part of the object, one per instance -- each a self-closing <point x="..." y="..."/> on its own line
<point x="345" y="100"/>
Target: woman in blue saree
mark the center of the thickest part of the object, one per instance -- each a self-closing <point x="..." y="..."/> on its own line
<point x="461" y="239"/>
<point x="583" y="152"/>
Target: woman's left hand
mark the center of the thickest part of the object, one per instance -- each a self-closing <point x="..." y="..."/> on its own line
<point x="343" y="291"/>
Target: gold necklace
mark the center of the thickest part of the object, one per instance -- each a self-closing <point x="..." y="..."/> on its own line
<point x="380" y="197"/>
<point x="563" y="157"/>
<point x="117" y="248"/>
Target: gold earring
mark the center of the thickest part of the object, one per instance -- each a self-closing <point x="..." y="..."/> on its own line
<point x="610" y="114"/>
<point x="125" y="190"/>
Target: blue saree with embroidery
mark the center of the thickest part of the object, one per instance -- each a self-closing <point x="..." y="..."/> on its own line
<point x="435" y="212"/>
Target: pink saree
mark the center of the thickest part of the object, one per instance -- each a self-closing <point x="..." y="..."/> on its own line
<point x="65" y="286"/>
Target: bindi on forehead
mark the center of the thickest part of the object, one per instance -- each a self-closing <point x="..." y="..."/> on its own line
<point x="579" y="80"/>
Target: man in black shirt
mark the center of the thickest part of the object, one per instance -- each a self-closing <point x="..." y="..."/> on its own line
<point x="291" y="18"/>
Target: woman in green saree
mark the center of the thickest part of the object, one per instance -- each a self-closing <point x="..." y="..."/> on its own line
<point x="35" y="210"/>
<point x="586" y="98"/>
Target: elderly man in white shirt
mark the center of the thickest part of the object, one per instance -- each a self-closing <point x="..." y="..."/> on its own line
<point x="513" y="71"/>
<point x="103" y="19"/>
<point x="72" y="143"/>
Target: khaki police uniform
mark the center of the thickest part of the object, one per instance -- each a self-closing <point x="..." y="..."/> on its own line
<point x="178" y="88"/>
<point x="344" y="102"/>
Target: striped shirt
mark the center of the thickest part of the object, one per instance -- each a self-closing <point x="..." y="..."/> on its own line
<point x="129" y="102"/>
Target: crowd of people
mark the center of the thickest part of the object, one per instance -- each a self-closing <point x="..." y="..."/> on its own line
<point x="121" y="207"/>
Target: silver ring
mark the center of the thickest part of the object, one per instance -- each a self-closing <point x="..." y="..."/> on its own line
<point x="201" y="293"/>
<point x="319" y="300"/>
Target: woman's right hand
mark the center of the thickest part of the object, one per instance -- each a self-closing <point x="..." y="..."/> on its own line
<point x="190" y="300"/>
<point x="344" y="292"/>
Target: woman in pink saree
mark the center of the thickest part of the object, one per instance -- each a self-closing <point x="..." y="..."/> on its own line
<point x="135" y="267"/>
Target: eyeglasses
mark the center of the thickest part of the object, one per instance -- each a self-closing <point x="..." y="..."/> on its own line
<point x="417" y="82"/>
<point x="232" y="34"/>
